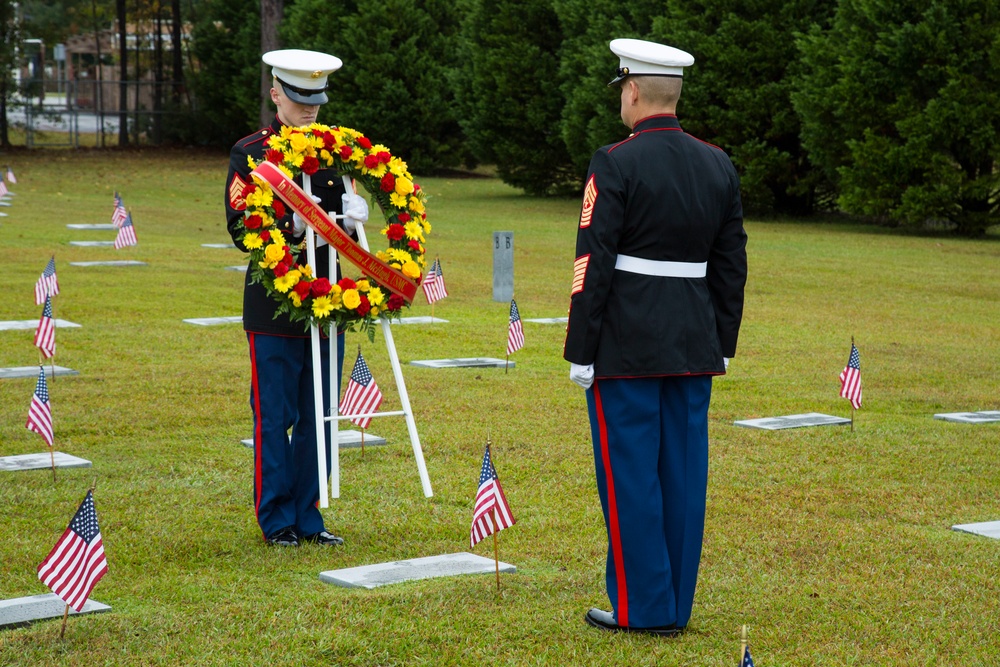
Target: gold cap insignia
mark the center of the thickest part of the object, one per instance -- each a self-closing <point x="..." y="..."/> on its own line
<point x="315" y="75"/>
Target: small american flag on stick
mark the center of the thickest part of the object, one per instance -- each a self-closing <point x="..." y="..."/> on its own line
<point x="850" y="379"/>
<point x="490" y="503"/>
<point x="45" y="334"/>
<point x="515" y="332"/>
<point x="47" y="284"/>
<point x="119" y="214"/>
<point x="10" y="175"/>
<point x="40" y="412"/>
<point x="76" y="563"/>
<point x="433" y="285"/>
<point x="126" y="235"/>
<point x="363" y="395"/>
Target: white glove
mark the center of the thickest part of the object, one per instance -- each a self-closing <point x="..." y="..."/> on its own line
<point x="582" y="375"/>
<point x="355" y="211"/>
<point x="298" y="224"/>
<point x="725" y="363"/>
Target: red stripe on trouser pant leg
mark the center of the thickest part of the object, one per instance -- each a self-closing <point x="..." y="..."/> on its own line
<point x="613" y="530"/>
<point x="257" y="465"/>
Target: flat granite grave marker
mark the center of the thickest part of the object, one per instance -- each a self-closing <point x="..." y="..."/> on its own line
<point x="345" y="439"/>
<point x="209" y="321"/>
<point x="42" y="460"/>
<point x="218" y="245"/>
<point x="381" y="574"/>
<point x="981" y="417"/>
<point x="4" y="202"/>
<point x="236" y="268"/>
<point x="102" y="226"/>
<point x="12" y="325"/>
<point x="793" y="421"/>
<point x="3" y="215"/>
<point x="92" y="244"/>
<point x="986" y="529"/>
<point x="32" y="372"/>
<point x="469" y="362"/>
<point x="550" y="320"/>
<point x="21" y="611"/>
<point x="113" y="262"/>
<point x="422" y="319"/>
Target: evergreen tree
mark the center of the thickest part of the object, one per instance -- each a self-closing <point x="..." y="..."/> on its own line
<point x="900" y="105"/>
<point x="737" y="94"/>
<point x="511" y="100"/>
<point x="399" y="57"/>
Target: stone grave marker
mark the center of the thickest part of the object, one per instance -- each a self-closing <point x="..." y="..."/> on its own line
<point x="793" y="421"/>
<point x="21" y="611"/>
<point x="981" y="417"/>
<point x="345" y="438"/>
<point x="41" y="460"/>
<point x="92" y="244"/>
<point x="12" y="325"/>
<point x="471" y="362"/>
<point x="114" y="262"/>
<point x="211" y="321"/>
<point x="218" y="245"/>
<point x="503" y="266"/>
<point x="550" y="320"/>
<point x="423" y="319"/>
<point x="381" y="574"/>
<point x="986" y="529"/>
<point x="32" y="372"/>
<point x="101" y="226"/>
<point x="241" y="267"/>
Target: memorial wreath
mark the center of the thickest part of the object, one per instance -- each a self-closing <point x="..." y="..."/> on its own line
<point x="273" y="263"/>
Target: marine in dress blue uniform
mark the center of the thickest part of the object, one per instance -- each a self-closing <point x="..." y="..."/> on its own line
<point x="655" y="312"/>
<point x="286" y="484"/>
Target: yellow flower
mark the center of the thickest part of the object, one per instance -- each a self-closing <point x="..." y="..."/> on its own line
<point x="287" y="281"/>
<point x="253" y="241"/>
<point x="381" y="254"/>
<point x="414" y="230"/>
<point x="358" y="155"/>
<point x="378" y="171"/>
<point x="335" y="296"/>
<point x="251" y="163"/>
<point x="322" y="306"/>
<point x="351" y="298"/>
<point x="286" y="132"/>
<point x="272" y="255"/>
<point x="425" y="223"/>
<point x="295" y="298"/>
<point x="397" y="255"/>
<point x="326" y="157"/>
<point x="265" y="219"/>
<point x="416" y="205"/>
<point x="397" y="200"/>
<point x="363" y="285"/>
<point x="375" y="297"/>
<point x="404" y="186"/>
<point x="277" y="238"/>
<point x="373" y="312"/>
<point x="397" y="167"/>
<point x="411" y="270"/>
<point x="306" y="270"/>
<point x="286" y="171"/>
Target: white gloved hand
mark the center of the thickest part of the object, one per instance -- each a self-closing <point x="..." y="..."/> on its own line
<point x="725" y="363"/>
<point x="298" y="224"/>
<point x="582" y="375"/>
<point x="355" y="211"/>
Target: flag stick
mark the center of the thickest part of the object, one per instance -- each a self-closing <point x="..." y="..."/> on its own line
<point x="52" y="456"/>
<point x="506" y="363"/>
<point x="52" y="359"/>
<point x="362" y="442"/>
<point x="743" y="645"/>
<point x="65" y="616"/>
<point x="496" y="549"/>
<point x="432" y="312"/>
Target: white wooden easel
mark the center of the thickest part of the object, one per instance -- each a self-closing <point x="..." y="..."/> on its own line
<point x="333" y="490"/>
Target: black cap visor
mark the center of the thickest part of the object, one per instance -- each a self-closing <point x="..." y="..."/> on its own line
<point x="302" y="95"/>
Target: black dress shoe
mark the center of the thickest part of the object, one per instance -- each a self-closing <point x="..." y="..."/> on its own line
<point x="605" y="620"/>
<point x="324" y="538"/>
<point x="286" y="537"/>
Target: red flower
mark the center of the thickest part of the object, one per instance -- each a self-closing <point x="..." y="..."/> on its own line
<point x="364" y="306"/>
<point x="310" y="165"/>
<point x="319" y="287"/>
<point x="288" y="259"/>
<point x="404" y="217"/>
<point x="395" y="302"/>
<point x="252" y="188"/>
<point x="266" y="236"/>
<point x="274" y="155"/>
<point x="329" y="141"/>
<point x="383" y="156"/>
<point x="416" y="188"/>
<point x="280" y="270"/>
<point x="364" y="143"/>
<point x="388" y="183"/>
<point x="303" y="288"/>
<point x="371" y="161"/>
<point x="345" y="152"/>
<point x="395" y="232"/>
<point x="279" y="209"/>
<point x="347" y="283"/>
<point x="414" y="244"/>
<point x="252" y="221"/>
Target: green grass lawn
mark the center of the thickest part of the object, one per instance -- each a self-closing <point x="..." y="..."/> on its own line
<point x="833" y="546"/>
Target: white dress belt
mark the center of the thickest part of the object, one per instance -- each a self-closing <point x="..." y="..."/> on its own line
<point x="652" y="267"/>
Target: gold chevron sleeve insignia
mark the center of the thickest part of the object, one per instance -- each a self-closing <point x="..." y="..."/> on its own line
<point x="236" y="189"/>
<point x="579" y="273"/>
<point x="589" y="199"/>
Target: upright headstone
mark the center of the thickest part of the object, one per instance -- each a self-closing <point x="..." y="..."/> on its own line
<point x="503" y="266"/>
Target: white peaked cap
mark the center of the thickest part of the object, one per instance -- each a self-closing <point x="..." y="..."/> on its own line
<point x="641" y="58"/>
<point x="302" y="74"/>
